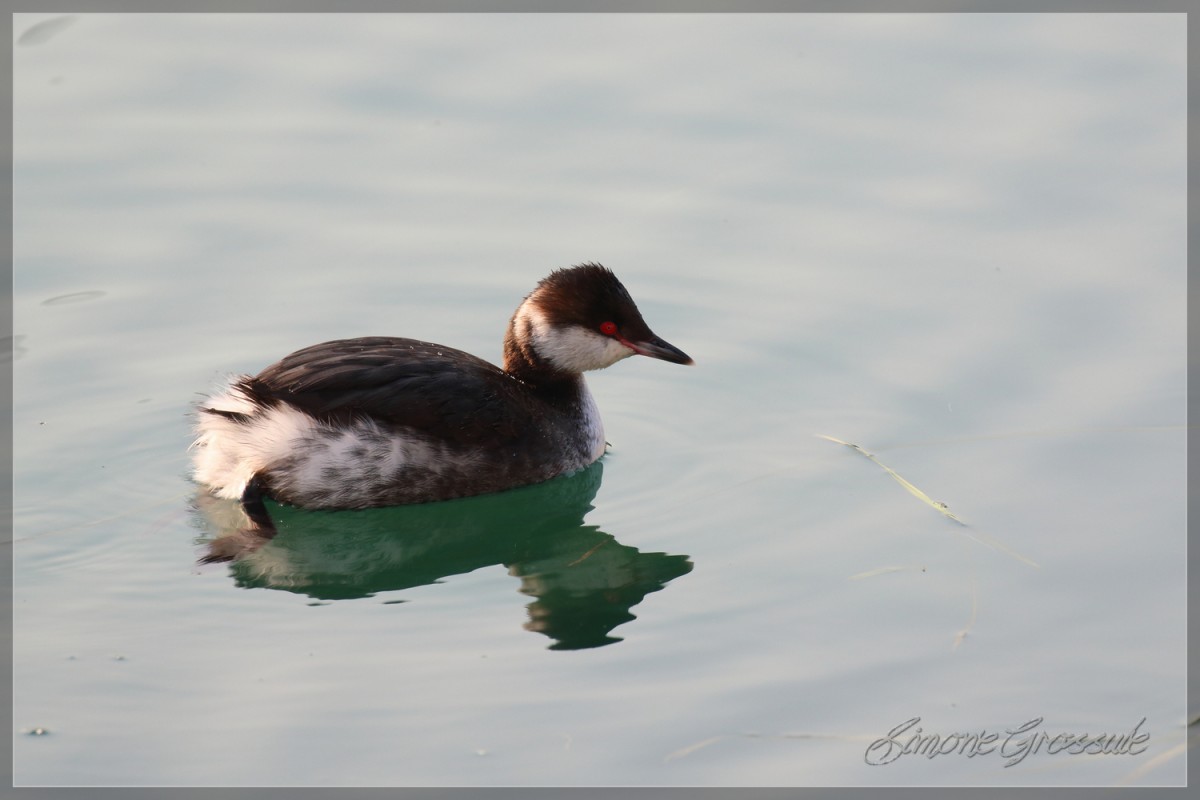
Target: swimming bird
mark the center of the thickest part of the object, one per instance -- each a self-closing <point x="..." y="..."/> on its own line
<point x="381" y="421"/>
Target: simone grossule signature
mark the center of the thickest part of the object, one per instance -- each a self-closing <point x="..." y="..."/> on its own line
<point x="1013" y="745"/>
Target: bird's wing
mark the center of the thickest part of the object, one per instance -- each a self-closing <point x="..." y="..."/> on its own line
<point x="401" y="382"/>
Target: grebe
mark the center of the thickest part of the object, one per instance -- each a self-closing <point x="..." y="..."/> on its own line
<point x="380" y="421"/>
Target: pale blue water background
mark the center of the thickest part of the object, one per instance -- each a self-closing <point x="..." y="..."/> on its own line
<point x="957" y="241"/>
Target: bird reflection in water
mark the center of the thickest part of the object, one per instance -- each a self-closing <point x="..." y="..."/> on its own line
<point x="582" y="580"/>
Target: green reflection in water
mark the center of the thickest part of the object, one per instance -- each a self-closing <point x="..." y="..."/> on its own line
<point x="582" y="580"/>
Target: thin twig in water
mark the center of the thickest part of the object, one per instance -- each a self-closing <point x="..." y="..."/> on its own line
<point x="1158" y="761"/>
<point x="687" y="751"/>
<point x="871" y="573"/>
<point x="941" y="508"/>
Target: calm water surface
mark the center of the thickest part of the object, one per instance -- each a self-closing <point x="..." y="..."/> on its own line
<point x="956" y="241"/>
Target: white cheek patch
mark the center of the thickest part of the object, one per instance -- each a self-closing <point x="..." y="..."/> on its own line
<point x="571" y="348"/>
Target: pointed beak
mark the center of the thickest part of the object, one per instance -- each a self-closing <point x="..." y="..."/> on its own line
<point x="657" y="348"/>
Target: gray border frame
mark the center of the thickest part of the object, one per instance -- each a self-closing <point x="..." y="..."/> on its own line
<point x="715" y="6"/>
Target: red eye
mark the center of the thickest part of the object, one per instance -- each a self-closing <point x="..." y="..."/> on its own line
<point x="608" y="328"/>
